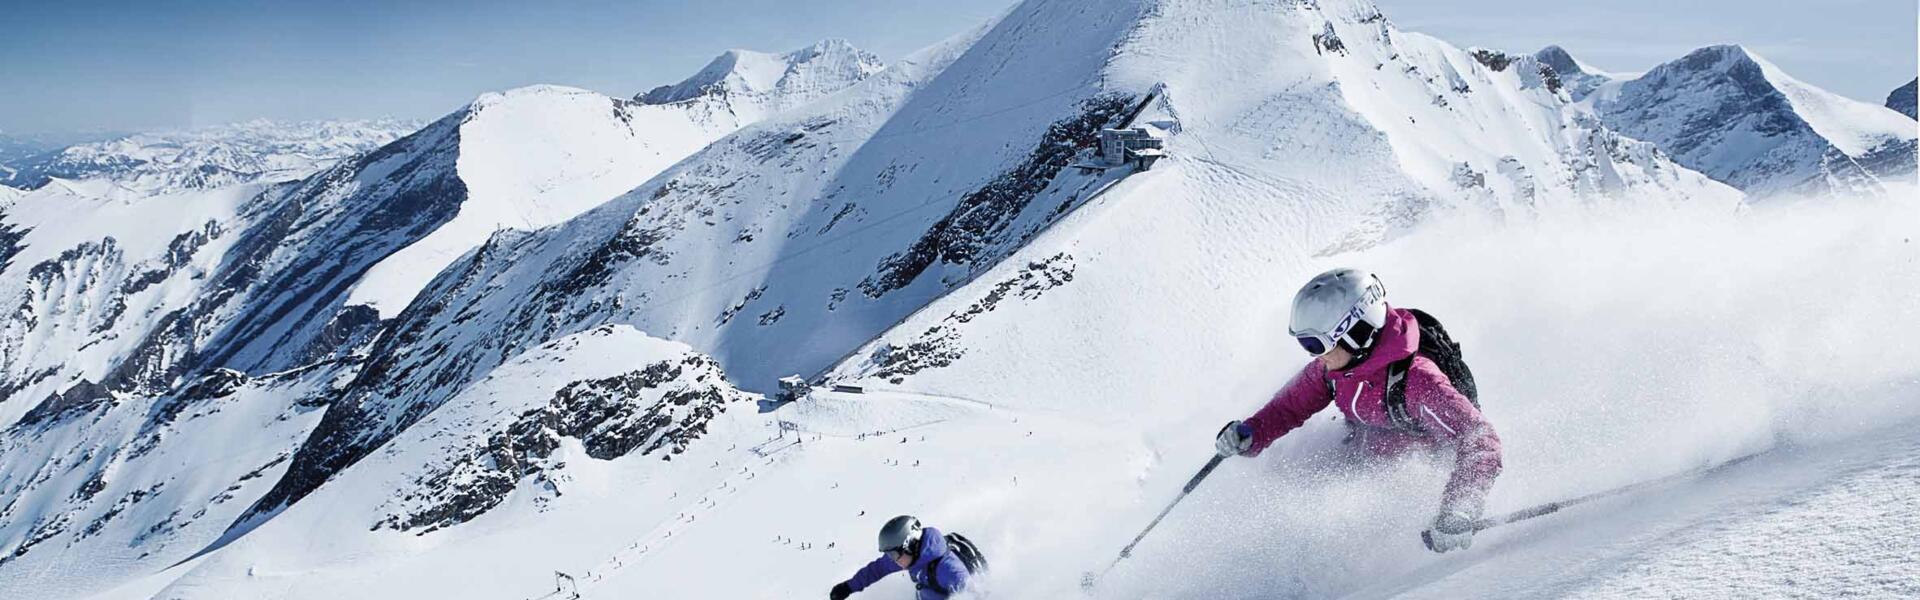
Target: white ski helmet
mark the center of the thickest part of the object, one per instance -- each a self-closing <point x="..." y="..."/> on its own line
<point x="1343" y="304"/>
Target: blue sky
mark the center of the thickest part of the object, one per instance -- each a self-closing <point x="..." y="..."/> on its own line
<point x="80" y="64"/>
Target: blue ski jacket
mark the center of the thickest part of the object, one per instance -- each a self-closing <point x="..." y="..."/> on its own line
<point x="936" y="573"/>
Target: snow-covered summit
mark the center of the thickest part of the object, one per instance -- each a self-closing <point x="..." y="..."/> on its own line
<point x="169" y="161"/>
<point x="1579" y="78"/>
<point x="801" y="75"/>
<point x="1902" y="99"/>
<point x="1727" y="112"/>
<point x="538" y="155"/>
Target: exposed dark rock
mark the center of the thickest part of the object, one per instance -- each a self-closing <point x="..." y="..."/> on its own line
<point x="180" y="252"/>
<point x="217" y="383"/>
<point x="353" y="327"/>
<point x="1493" y="59"/>
<point x="982" y="217"/>
<point x="609" y="418"/>
<point x="939" y="346"/>
<point x="134" y="497"/>
<point x="286" y="269"/>
<point x="82" y="398"/>
<point x="1902" y="99"/>
<point x="728" y="314"/>
<point x="10" y="237"/>
<point x="163" y="527"/>
<point x="89" y="488"/>
<point x="1328" y="41"/>
<point x="1552" y="77"/>
<point x="632" y="243"/>
<point x="42" y="532"/>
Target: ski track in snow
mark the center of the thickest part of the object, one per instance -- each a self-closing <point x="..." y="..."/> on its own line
<point x="1799" y="522"/>
<point x="768" y="454"/>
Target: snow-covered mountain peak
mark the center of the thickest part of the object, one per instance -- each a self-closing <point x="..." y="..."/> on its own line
<point x="1852" y="126"/>
<point x="537" y="155"/>
<point x="529" y="93"/>
<point x="1579" y="78"/>
<point x="824" y="67"/>
<point x="1727" y="112"/>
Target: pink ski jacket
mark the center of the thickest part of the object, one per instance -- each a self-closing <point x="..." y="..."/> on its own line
<point x="1445" y="418"/>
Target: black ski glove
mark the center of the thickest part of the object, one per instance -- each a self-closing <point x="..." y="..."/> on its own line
<point x="840" y="592"/>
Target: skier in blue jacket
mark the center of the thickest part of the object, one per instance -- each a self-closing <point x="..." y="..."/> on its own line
<point x="920" y="551"/>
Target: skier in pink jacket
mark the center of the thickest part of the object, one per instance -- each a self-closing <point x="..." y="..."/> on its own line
<point x="1394" y="391"/>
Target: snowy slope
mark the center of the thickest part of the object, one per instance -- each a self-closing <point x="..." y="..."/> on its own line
<point x="766" y="249"/>
<point x="89" y="277"/>
<point x="681" y="256"/>
<point x="522" y="159"/>
<point x="779" y="81"/>
<point x="949" y="137"/>
<point x="195" y="159"/>
<point x="123" y="485"/>
<point x="1036" y="336"/>
<point x="1024" y="446"/>
<point x="602" y="419"/>
<point x="134" y="296"/>
<point x="536" y="156"/>
<point x="1727" y="112"/>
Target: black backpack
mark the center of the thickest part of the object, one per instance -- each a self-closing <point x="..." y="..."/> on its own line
<point x="968" y="554"/>
<point x="1440" y="348"/>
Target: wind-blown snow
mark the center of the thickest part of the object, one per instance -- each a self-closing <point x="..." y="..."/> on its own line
<point x="1614" y="348"/>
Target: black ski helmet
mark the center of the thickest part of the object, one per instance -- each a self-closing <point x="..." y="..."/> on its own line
<point x="900" y="533"/>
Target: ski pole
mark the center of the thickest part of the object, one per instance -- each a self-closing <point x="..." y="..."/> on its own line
<point x="1088" y="580"/>
<point x="1554" y="507"/>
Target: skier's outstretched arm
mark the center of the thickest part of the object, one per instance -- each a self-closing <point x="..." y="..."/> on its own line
<point x="1289" y="408"/>
<point x="867" y="575"/>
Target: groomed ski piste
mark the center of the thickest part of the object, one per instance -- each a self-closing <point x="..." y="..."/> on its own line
<point x="1627" y="319"/>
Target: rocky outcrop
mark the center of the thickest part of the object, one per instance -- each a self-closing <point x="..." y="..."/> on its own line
<point x="981" y="219"/>
<point x="1902" y="99"/>
<point x="658" y="410"/>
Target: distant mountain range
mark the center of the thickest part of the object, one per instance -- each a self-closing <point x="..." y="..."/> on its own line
<point x="1729" y="113"/>
<point x="199" y="159"/>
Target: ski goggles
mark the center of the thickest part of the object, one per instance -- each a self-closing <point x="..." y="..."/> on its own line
<point x="1355" y="331"/>
<point x="898" y="552"/>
